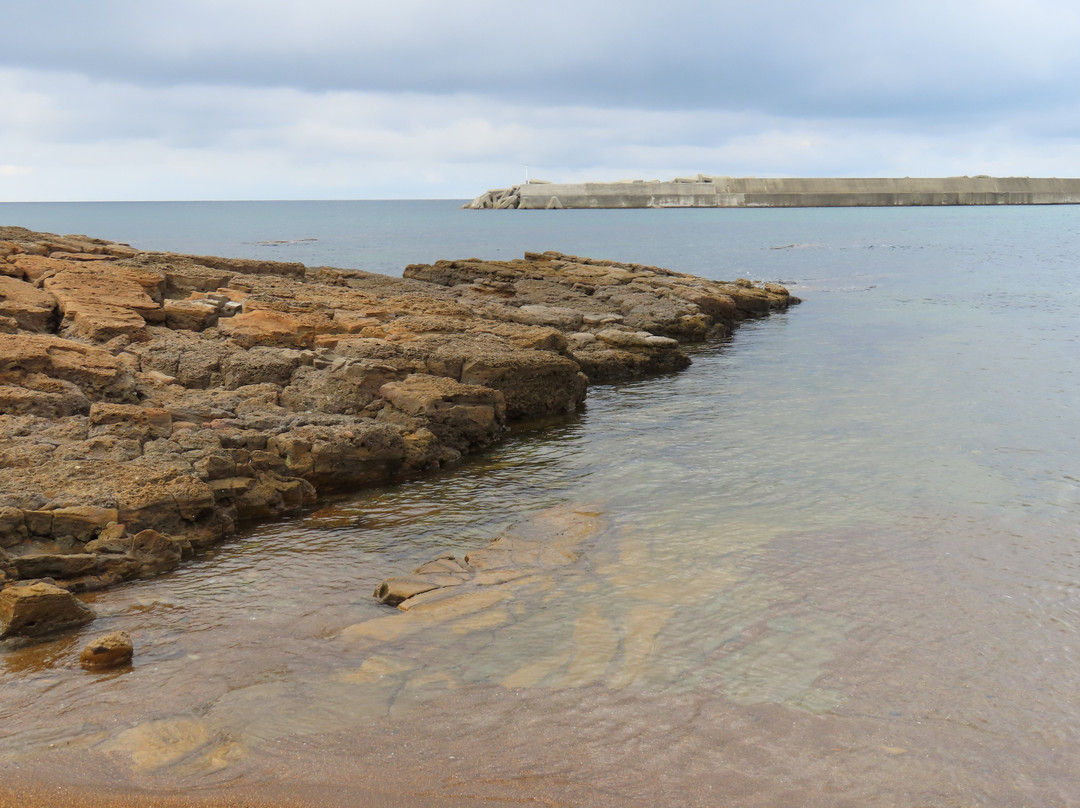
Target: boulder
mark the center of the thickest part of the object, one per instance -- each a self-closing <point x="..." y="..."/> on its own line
<point x="112" y="650"/>
<point x="111" y="539"/>
<point x="444" y="571"/>
<point x="155" y="553"/>
<point x="34" y="609"/>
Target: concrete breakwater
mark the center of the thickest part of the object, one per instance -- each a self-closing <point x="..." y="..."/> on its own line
<point x="752" y="192"/>
<point x="151" y="402"/>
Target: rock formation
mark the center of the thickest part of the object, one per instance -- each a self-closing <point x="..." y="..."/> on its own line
<point x="149" y="402"/>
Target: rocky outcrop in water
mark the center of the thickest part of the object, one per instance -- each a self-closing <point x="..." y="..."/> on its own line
<point x="150" y="402"/>
<point x="113" y="650"/>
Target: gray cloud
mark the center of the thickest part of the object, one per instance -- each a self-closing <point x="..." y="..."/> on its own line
<point x="779" y="56"/>
<point x="238" y="99"/>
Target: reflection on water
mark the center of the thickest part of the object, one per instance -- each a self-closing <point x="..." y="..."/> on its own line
<point x="838" y="564"/>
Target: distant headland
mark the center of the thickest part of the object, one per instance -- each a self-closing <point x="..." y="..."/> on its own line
<point x="705" y="191"/>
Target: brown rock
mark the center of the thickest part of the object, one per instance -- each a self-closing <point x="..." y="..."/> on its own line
<point x="99" y="304"/>
<point x="120" y="250"/>
<point x="346" y="387"/>
<point x="81" y="522"/>
<point x="39" y="608"/>
<point x="112" y="650"/>
<point x="107" y="287"/>
<point x="99" y="322"/>
<point x="155" y="553"/>
<point x="460" y="415"/>
<point x="31" y="308"/>
<point x="96" y="372"/>
<point x="49" y="565"/>
<point x="34" y="267"/>
<point x="339" y="456"/>
<point x="129" y="421"/>
<point x="190" y="315"/>
<point x="8" y="249"/>
<point x="12" y="527"/>
<point x="270" y="379"/>
<point x="111" y="539"/>
<point x="535" y="384"/>
<point x="83" y="256"/>
<point x="250" y="266"/>
<point x="265" y="327"/>
<point x="37" y="394"/>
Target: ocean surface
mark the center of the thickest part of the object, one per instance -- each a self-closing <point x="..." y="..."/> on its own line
<point x="841" y="564"/>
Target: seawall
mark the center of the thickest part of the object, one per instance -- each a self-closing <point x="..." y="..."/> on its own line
<point x="788" y="192"/>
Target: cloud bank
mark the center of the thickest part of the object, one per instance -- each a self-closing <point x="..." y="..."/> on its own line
<point x="237" y="99"/>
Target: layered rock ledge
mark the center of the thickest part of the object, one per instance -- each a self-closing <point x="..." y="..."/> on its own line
<point x="150" y="402"/>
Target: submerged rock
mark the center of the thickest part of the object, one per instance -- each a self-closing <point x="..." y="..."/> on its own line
<point x="545" y="540"/>
<point x="151" y="401"/>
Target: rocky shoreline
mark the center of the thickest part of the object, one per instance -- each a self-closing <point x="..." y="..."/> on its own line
<point x="151" y="402"/>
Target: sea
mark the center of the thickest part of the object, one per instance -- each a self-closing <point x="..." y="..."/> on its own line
<point x="840" y="562"/>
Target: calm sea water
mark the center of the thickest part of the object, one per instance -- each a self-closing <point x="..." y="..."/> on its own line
<point x="842" y="564"/>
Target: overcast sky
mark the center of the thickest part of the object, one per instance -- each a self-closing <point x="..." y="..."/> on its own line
<point x="354" y="99"/>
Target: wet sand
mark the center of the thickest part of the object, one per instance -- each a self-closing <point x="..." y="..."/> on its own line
<point x="578" y="750"/>
<point x="926" y="716"/>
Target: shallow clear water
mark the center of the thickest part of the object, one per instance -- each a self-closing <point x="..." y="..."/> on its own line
<point x="840" y="561"/>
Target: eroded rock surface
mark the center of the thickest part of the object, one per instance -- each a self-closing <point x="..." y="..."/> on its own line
<point x="151" y="401"/>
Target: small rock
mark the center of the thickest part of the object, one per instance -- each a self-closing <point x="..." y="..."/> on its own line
<point x="108" y="651"/>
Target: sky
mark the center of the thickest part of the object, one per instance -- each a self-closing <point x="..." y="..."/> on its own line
<point x="407" y="99"/>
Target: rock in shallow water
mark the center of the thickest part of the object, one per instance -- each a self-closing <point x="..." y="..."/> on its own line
<point x="108" y="651"/>
<point x="39" y="608"/>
